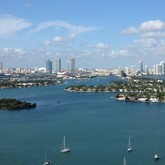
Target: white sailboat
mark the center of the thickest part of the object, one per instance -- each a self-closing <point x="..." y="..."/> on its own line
<point x="124" y="162"/>
<point x="129" y="145"/>
<point x="64" y="149"/>
<point x="47" y="162"/>
<point x="156" y="156"/>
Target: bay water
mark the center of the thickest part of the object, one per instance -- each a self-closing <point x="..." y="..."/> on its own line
<point x="96" y="127"/>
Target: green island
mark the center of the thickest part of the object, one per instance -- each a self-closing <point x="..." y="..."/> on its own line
<point x="8" y="83"/>
<point x="14" y="104"/>
<point x="134" y="89"/>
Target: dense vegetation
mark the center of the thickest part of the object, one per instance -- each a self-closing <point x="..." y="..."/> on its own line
<point x="7" y="83"/>
<point x="13" y="104"/>
<point x="133" y="88"/>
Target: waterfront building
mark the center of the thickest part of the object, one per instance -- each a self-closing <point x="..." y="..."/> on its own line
<point x="48" y="66"/>
<point x="1" y="66"/>
<point x="162" y="63"/>
<point x="127" y="70"/>
<point x="158" y="69"/>
<point x="146" y="70"/>
<point x="57" y="65"/>
<point x="68" y="66"/>
<point x="141" y="66"/>
<point x="73" y="65"/>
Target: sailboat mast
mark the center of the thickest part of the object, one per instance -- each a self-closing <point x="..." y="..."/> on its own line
<point x="124" y="163"/>
<point x="64" y="142"/>
<point x="129" y="143"/>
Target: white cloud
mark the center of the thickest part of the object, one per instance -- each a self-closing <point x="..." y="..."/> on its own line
<point x="101" y="46"/>
<point x="11" y="52"/>
<point x="151" y="25"/>
<point x="58" y="39"/>
<point x="11" y="24"/>
<point x="118" y="53"/>
<point x="130" y="30"/>
<point x="47" y="43"/>
<point x="73" y="36"/>
<point x="146" y="42"/>
<point x="71" y="28"/>
<point x="147" y="29"/>
<point x="153" y="34"/>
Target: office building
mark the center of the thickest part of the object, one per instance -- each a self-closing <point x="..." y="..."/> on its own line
<point x="158" y="69"/>
<point x="57" y="66"/>
<point x="146" y="70"/>
<point x="48" y="66"/>
<point x="141" y="66"/>
<point x="73" y="65"/>
<point x="162" y="63"/>
<point x="1" y="66"/>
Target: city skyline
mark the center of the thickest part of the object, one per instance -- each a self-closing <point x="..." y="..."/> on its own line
<point x="102" y="34"/>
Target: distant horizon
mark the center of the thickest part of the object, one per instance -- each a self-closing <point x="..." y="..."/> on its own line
<point x="102" y="34"/>
<point x="137" y="66"/>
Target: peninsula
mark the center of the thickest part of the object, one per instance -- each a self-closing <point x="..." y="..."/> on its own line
<point x="13" y="104"/>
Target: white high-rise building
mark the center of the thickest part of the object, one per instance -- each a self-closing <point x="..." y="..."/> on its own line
<point x="127" y="70"/>
<point x="146" y="70"/>
<point x="162" y="63"/>
<point x="158" y="69"/>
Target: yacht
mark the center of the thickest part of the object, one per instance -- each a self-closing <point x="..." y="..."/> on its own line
<point x="129" y="145"/>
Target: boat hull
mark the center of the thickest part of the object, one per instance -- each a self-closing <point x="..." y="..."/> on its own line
<point x="65" y="150"/>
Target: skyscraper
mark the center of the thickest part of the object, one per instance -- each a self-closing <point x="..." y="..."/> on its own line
<point x="146" y="70"/>
<point x="162" y="63"/>
<point x="141" y="66"/>
<point x="57" y="65"/>
<point x="73" y="65"/>
<point x="1" y="66"/>
<point x="48" y="66"/>
<point x="158" y="69"/>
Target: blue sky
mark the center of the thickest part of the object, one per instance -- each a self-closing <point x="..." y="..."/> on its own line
<point x="98" y="33"/>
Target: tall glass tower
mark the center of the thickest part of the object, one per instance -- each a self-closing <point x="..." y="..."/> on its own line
<point x="73" y="65"/>
<point x="48" y="66"/>
<point x="58" y="65"/>
<point x="141" y="66"/>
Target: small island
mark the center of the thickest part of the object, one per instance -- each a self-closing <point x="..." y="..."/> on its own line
<point x="14" y="104"/>
<point x="133" y="90"/>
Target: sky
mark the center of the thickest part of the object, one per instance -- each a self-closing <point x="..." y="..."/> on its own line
<point x="98" y="33"/>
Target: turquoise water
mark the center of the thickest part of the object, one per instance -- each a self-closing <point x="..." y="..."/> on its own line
<point x="96" y="127"/>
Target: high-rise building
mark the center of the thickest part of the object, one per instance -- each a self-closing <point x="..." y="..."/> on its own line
<point x="68" y="66"/>
<point x="73" y="65"/>
<point x="57" y="65"/>
<point x="127" y="70"/>
<point x="48" y="66"/>
<point x="1" y="66"/>
<point x="162" y="63"/>
<point x="141" y="66"/>
<point x="158" y="69"/>
<point x="146" y="70"/>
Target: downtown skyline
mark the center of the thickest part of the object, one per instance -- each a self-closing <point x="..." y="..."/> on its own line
<point x="99" y="34"/>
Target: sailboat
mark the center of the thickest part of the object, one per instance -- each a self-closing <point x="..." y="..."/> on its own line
<point x="64" y="149"/>
<point x="47" y="162"/>
<point x="129" y="145"/>
<point x="156" y="157"/>
<point x="124" y="162"/>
